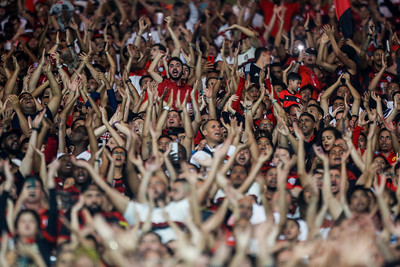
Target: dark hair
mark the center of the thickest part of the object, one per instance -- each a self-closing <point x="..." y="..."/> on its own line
<point x="175" y="59"/>
<point x="259" y="51"/>
<point x="293" y="76"/>
<point x="320" y="110"/>
<point x="35" y="216"/>
<point x="142" y="78"/>
<point x="335" y="132"/>
<point x="306" y="114"/>
<point x="160" y="47"/>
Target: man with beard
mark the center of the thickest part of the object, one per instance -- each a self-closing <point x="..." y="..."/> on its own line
<point x="93" y="200"/>
<point x="175" y="83"/>
<point x="28" y="105"/>
<point x="10" y="145"/>
<point x="237" y="176"/>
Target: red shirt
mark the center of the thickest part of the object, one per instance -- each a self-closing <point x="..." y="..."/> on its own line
<point x="309" y="77"/>
<point x="174" y="87"/>
<point x="287" y="98"/>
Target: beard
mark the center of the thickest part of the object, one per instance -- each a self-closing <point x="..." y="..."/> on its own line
<point x="171" y="75"/>
<point x="94" y="209"/>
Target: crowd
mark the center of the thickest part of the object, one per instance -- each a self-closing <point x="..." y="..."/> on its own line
<point x="199" y="133"/>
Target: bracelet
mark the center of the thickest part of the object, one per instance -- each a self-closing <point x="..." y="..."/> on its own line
<point x="167" y="108"/>
<point x="36" y="129"/>
<point x="114" y="124"/>
<point x="128" y="81"/>
<point x="60" y="66"/>
<point x="190" y="44"/>
<point x="87" y="94"/>
<point x="274" y="101"/>
<point x="97" y="160"/>
<point x="70" y="45"/>
<point x="89" y="30"/>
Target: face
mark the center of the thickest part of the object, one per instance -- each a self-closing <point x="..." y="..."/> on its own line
<point x="314" y="111"/>
<point x="27" y="102"/>
<point x="163" y="144"/>
<point x="280" y="155"/>
<point x="93" y="200"/>
<point x="265" y="58"/>
<point x="11" y="143"/>
<point x="359" y="201"/>
<point x="362" y="142"/>
<point x="173" y="119"/>
<point x="34" y="190"/>
<point x="343" y="91"/>
<point x="338" y="103"/>
<point x="93" y="85"/>
<point x="385" y="141"/>
<point x="81" y="175"/>
<point x="27" y="226"/>
<point x="335" y="180"/>
<point x="335" y="155"/>
<point x="238" y="175"/>
<point x="291" y="230"/>
<point x="154" y="51"/>
<point x="264" y="145"/>
<point x="306" y="124"/>
<point x="245" y="208"/>
<point x="65" y="259"/>
<point x="380" y="162"/>
<point x="150" y="242"/>
<point x="78" y="134"/>
<point x="277" y="72"/>
<point x="296" y="45"/>
<point x="68" y="183"/>
<point x="175" y="69"/>
<point x="305" y="95"/>
<point x="178" y="191"/>
<point x="377" y="57"/>
<point x="186" y="72"/>
<point x="243" y="157"/>
<point x="328" y="140"/>
<point x="292" y="114"/>
<point x="254" y="93"/>
<point x="156" y="189"/>
<point x="294" y="84"/>
<point x="310" y="58"/>
<point x="137" y="126"/>
<point x="318" y="177"/>
<point x="270" y="178"/>
<point x="119" y="156"/>
<point x="266" y="125"/>
<point x="391" y="88"/>
<point x="212" y="131"/>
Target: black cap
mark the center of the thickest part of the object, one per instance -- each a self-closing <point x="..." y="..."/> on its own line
<point x="311" y="51"/>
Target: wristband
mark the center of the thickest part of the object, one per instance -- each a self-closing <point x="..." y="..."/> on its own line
<point x="115" y="123"/>
<point x="60" y="66"/>
<point x="36" y="129"/>
<point x="97" y="160"/>
<point x="70" y="45"/>
<point x="128" y="81"/>
<point x="274" y="101"/>
<point x="167" y="108"/>
<point x="89" y="30"/>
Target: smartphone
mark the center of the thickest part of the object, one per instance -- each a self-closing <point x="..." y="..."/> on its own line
<point x="174" y="148"/>
<point x="211" y="59"/>
<point x="159" y="18"/>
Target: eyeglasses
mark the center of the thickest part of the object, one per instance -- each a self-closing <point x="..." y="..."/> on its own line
<point x="121" y="154"/>
<point x="266" y="125"/>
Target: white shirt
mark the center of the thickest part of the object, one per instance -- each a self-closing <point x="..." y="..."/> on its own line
<point x="176" y="210"/>
<point x="202" y="155"/>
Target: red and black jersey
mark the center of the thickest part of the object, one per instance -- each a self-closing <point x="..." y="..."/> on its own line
<point x="287" y="98"/>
